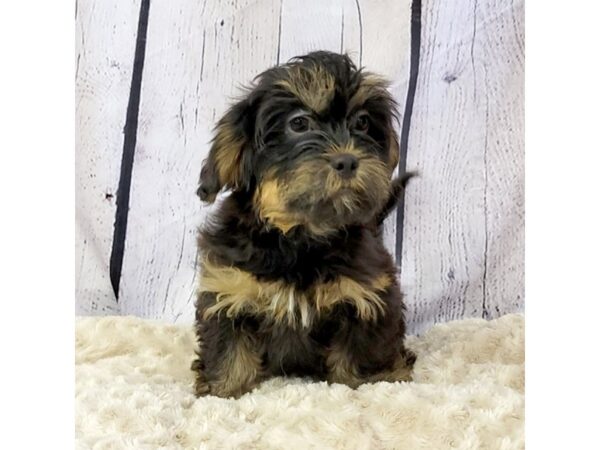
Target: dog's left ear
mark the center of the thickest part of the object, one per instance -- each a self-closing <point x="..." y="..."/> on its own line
<point x="228" y="163"/>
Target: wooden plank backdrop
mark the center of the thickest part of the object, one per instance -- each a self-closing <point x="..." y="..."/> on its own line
<point x="462" y="252"/>
<point x="105" y="43"/>
<point x="463" y="242"/>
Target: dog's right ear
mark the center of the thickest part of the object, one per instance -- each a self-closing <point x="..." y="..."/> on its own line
<point x="226" y="166"/>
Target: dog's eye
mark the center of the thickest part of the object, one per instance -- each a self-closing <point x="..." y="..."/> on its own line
<point x="299" y="124"/>
<point x="362" y="123"/>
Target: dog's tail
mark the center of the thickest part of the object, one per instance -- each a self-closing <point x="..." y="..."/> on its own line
<point x="396" y="191"/>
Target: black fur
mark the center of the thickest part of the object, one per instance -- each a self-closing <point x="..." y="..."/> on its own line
<point x="237" y="236"/>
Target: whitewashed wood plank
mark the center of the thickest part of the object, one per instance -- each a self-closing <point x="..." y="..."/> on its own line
<point x="351" y="32"/>
<point x="449" y="218"/>
<point x="308" y="26"/>
<point x="105" y="44"/>
<point x="501" y="38"/>
<point x="386" y="40"/>
<point x="444" y="238"/>
<point x="197" y="57"/>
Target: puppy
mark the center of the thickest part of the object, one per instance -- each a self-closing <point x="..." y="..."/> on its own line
<point x="295" y="279"/>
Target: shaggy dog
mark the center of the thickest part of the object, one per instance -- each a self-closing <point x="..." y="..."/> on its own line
<point x="295" y="279"/>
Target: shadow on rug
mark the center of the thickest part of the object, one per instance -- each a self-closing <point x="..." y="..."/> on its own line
<point x="134" y="390"/>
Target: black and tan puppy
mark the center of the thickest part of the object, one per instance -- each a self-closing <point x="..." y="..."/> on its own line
<point x="294" y="275"/>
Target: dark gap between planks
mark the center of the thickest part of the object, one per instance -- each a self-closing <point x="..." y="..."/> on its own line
<point x="130" y="132"/>
<point x="415" y="48"/>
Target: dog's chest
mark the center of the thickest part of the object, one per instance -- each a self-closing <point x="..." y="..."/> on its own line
<point x="238" y="292"/>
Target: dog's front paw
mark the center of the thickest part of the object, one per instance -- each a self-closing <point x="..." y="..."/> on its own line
<point x="201" y="388"/>
<point x="218" y="388"/>
<point x="201" y="385"/>
<point x="409" y="357"/>
<point x="403" y="368"/>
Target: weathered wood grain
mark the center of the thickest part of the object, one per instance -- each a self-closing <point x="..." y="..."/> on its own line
<point x="463" y="246"/>
<point x="503" y="77"/>
<point x="308" y="26"/>
<point x="105" y="44"/>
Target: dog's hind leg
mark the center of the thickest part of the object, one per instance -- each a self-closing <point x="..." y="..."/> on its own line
<point x="368" y="351"/>
<point x="346" y="366"/>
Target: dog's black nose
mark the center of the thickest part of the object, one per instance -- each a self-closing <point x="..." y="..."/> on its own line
<point x="345" y="164"/>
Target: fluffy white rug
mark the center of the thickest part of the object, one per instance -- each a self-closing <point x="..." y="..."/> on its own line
<point x="134" y="390"/>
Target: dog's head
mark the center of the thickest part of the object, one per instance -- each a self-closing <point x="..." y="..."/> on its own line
<point x="312" y="142"/>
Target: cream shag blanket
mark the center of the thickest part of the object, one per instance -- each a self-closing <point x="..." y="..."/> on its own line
<point x="134" y="391"/>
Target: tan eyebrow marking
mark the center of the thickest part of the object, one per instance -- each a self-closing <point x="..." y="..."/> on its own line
<point x="313" y="86"/>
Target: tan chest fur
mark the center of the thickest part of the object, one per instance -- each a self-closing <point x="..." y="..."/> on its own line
<point x="240" y="292"/>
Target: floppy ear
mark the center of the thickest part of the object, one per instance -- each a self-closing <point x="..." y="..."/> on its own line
<point x="228" y="162"/>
